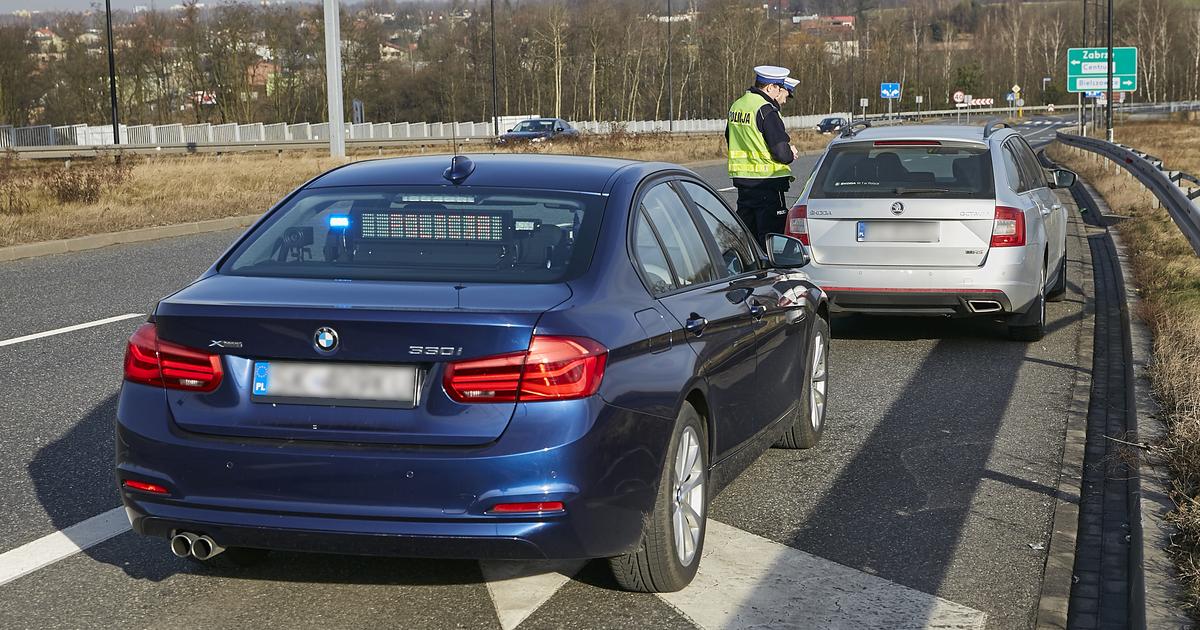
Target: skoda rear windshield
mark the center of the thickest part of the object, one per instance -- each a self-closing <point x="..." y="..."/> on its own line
<point x="884" y="170"/>
<point x="435" y="234"/>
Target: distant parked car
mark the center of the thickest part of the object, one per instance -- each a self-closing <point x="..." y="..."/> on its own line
<point x="831" y="124"/>
<point x="539" y="130"/>
<point x="936" y="220"/>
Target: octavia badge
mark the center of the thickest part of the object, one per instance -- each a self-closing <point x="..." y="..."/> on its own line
<point x="897" y="208"/>
<point x="326" y="339"/>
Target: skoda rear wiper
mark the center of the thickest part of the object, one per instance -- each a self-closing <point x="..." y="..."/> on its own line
<point x="920" y="191"/>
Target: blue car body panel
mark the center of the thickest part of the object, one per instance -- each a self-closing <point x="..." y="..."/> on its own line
<point x="420" y="482"/>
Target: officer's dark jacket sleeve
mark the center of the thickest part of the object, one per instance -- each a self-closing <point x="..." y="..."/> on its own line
<point x="773" y="131"/>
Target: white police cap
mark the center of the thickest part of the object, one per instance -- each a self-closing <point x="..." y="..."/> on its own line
<point x="790" y="84"/>
<point x="771" y="74"/>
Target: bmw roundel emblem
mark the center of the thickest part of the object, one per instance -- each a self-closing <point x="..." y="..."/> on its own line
<point x="897" y="208"/>
<point x="325" y="339"/>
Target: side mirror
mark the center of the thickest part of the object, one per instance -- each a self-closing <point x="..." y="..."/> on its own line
<point x="558" y="128"/>
<point x="786" y="252"/>
<point x="508" y="131"/>
<point x="1063" y="178"/>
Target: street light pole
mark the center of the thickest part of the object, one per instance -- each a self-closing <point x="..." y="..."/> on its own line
<point x="495" y="94"/>
<point x="112" y="73"/>
<point x="670" y="90"/>
<point x="1108" y="109"/>
<point x="333" y="80"/>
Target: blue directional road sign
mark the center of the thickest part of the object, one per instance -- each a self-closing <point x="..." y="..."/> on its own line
<point x="889" y="90"/>
<point x="1010" y="97"/>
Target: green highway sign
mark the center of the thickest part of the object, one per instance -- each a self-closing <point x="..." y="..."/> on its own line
<point x="1087" y="69"/>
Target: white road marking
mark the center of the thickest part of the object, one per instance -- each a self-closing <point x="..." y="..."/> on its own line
<point x="67" y="329"/>
<point x="519" y="588"/>
<point x="750" y="582"/>
<point x="744" y="581"/>
<point x="62" y="544"/>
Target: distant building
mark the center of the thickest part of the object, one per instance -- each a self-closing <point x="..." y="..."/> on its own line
<point x="829" y="28"/>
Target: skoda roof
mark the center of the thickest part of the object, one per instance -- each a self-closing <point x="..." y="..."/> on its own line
<point x="949" y="133"/>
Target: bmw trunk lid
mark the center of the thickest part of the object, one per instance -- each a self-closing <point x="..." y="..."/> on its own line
<point x="356" y="332"/>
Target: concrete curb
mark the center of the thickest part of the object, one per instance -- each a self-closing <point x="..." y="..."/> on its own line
<point x="1163" y="592"/>
<point x="96" y="241"/>
<point x="1060" y="558"/>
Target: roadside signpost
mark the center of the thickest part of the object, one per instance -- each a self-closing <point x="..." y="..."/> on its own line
<point x="1087" y="70"/>
<point x="891" y="92"/>
<point x="862" y="102"/>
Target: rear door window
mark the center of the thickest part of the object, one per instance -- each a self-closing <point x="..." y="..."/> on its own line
<point x="733" y="242"/>
<point x="650" y="258"/>
<point x="1033" y="173"/>
<point x="685" y="248"/>
<point x="1017" y="180"/>
<point x="880" y="170"/>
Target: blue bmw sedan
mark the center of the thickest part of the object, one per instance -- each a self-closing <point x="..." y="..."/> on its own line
<point x="500" y="357"/>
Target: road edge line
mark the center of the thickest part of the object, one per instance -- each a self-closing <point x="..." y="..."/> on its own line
<point x="1058" y="574"/>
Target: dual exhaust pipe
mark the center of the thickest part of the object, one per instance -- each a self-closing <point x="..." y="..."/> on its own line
<point x="189" y="545"/>
<point x="984" y="306"/>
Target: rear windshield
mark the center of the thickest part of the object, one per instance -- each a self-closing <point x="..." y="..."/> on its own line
<point x="867" y="170"/>
<point x="459" y="234"/>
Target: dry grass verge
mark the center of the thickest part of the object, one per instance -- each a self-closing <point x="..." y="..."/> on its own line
<point x="42" y="201"/>
<point x="1167" y="274"/>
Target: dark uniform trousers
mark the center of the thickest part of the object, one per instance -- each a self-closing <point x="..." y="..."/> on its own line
<point x="763" y="209"/>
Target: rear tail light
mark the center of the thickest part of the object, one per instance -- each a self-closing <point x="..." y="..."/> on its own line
<point x="1009" y="228"/>
<point x="554" y="368"/>
<point x="797" y="223"/>
<point x="152" y="361"/>
<point x="527" y="508"/>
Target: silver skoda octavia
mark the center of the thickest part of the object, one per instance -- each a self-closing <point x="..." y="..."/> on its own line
<point x="936" y="220"/>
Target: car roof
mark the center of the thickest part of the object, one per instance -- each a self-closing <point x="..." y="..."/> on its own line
<point x="952" y="133"/>
<point x="540" y="171"/>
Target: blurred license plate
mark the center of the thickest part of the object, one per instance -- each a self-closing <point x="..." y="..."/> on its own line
<point x="898" y="232"/>
<point x="336" y="383"/>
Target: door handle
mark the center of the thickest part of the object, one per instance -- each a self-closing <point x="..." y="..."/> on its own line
<point x="695" y="324"/>
<point x="1057" y="206"/>
<point x="757" y="309"/>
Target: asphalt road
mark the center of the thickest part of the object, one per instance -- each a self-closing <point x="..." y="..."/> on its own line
<point x="937" y="472"/>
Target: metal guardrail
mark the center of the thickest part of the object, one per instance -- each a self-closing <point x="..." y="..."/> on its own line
<point x="1167" y="186"/>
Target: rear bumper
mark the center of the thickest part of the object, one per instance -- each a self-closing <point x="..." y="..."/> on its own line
<point x="1008" y="277"/>
<point x="918" y="301"/>
<point x="602" y="462"/>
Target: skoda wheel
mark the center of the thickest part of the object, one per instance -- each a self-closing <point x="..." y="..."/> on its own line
<point x="1031" y="325"/>
<point x="669" y="554"/>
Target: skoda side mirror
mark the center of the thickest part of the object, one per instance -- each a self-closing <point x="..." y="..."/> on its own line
<point x="786" y="252"/>
<point x="1063" y="178"/>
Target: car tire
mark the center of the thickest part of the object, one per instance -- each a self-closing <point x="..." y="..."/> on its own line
<point x="1031" y="325"/>
<point x="658" y="565"/>
<point x="805" y="428"/>
<point x="1058" y="292"/>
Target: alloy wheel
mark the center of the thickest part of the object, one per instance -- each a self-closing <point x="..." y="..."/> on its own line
<point x="687" y="503"/>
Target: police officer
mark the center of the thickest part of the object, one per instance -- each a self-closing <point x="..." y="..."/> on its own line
<point x="760" y="151"/>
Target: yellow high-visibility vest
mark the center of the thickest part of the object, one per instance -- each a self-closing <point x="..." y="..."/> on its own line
<point x="749" y="156"/>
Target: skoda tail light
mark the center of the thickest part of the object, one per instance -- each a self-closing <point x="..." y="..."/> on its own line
<point x="1009" y="228"/>
<point x="797" y="223"/>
